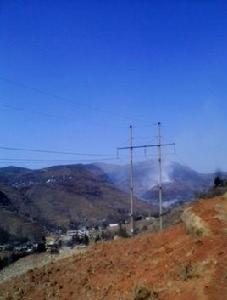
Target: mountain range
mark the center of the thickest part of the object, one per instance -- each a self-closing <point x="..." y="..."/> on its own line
<point x="180" y="183"/>
<point x="62" y="197"/>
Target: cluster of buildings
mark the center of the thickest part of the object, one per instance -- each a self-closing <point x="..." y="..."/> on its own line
<point x="72" y="238"/>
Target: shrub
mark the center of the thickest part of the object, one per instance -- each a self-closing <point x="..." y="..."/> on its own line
<point x="142" y="293"/>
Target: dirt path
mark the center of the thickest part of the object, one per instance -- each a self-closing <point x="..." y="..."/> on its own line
<point x="32" y="262"/>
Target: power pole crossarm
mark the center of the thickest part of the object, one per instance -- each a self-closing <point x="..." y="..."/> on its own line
<point x="145" y="146"/>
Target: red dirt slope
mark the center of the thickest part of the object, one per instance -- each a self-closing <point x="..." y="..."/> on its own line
<point x="174" y="265"/>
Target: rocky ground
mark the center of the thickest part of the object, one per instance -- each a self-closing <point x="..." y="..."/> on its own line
<point x="187" y="261"/>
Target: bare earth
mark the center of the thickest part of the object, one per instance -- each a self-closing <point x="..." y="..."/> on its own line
<point x="33" y="261"/>
<point x="176" y="264"/>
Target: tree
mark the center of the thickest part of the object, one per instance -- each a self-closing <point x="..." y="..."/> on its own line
<point x="218" y="181"/>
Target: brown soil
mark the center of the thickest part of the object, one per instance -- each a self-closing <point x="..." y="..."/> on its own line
<point x="172" y="264"/>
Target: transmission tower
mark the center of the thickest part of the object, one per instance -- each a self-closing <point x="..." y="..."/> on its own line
<point x="131" y="147"/>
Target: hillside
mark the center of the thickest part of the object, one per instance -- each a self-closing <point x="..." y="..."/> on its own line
<point x="15" y="226"/>
<point x="62" y="197"/>
<point x="187" y="261"/>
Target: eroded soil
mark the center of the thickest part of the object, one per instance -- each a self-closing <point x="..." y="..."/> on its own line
<point x="173" y="264"/>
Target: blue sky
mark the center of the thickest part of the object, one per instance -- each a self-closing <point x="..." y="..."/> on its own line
<point x="114" y="63"/>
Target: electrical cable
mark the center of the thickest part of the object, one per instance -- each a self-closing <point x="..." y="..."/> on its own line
<point x="52" y="151"/>
<point x="60" y="98"/>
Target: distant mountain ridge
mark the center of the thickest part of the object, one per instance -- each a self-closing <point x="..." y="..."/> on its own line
<point x="32" y="201"/>
<point x="180" y="183"/>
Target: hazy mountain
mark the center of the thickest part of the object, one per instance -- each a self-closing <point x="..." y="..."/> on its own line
<point x="180" y="183"/>
<point x="65" y="196"/>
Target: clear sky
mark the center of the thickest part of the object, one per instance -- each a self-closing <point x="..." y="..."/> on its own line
<point x="110" y="64"/>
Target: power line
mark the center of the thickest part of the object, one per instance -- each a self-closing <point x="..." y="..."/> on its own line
<point x="52" y="151"/>
<point x="55" y="116"/>
<point x="60" y="98"/>
<point x="16" y="108"/>
<point x="50" y="160"/>
<point x="53" y="161"/>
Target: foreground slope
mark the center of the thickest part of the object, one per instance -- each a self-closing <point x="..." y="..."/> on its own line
<point x="188" y="261"/>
